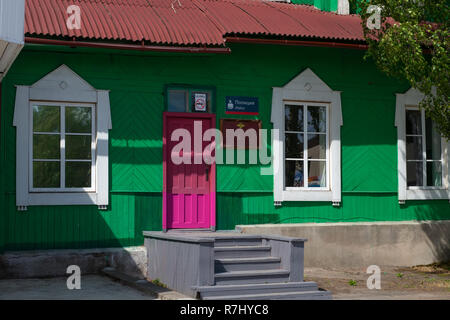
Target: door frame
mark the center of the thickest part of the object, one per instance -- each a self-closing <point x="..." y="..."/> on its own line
<point x="212" y="118"/>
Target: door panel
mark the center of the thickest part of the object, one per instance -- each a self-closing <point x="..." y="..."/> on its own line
<point x="189" y="196"/>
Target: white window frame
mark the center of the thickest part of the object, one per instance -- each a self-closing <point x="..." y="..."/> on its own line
<point x="62" y="146"/>
<point x="305" y="158"/>
<point x="62" y="87"/>
<point x="307" y="88"/>
<point x="410" y="100"/>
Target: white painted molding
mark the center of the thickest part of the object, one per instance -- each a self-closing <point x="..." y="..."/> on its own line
<point x="307" y="86"/>
<point x="65" y="85"/>
<point x="343" y="7"/>
<point x="103" y="125"/>
<point x="12" y="21"/>
<point x="412" y="98"/>
<point x="21" y="122"/>
<point x="61" y="85"/>
<point x="8" y="56"/>
<point x="12" y="17"/>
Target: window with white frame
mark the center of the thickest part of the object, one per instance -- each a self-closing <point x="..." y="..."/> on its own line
<point x="306" y="145"/>
<point x="62" y="137"/>
<point x="423" y="155"/>
<point x="62" y="147"/>
<point x="424" y="158"/>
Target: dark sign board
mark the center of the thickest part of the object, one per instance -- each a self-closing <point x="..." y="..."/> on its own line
<point x="245" y="125"/>
<point x="241" y="105"/>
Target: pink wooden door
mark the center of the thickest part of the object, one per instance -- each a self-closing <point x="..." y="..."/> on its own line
<point x="189" y="199"/>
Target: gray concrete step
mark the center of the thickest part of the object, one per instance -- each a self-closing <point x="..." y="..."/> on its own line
<point x="305" y="295"/>
<point x="251" y="277"/>
<point x="247" y="264"/>
<point x="241" y="252"/>
<point x="237" y="241"/>
<point x="250" y="289"/>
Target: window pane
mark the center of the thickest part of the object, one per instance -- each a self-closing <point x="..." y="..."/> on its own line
<point x="78" y="147"/>
<point x="317" y="119"/>
<point x="46" y="146"/>
<point x="46" y="119"/>
<point x="414" y="173"/>
<point x="294" y="145"/>
<point x="414" y="148"/>
<point x="176" y="100"/>
<point x="413" y="122"/>
<point x="434" y="174"/>
<point x="293" y="118"/>
<point x="317" y="146"/>
<point x="46" y="174"/>
<point x="78" y="174"/>
<point x="294" y="174"/>
<point x="78" y="119"/>
<point x="317" y="174"/>
<point x="433" y="139"/>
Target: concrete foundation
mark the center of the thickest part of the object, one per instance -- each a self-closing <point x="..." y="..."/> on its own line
<point x="54" y="263"/>
<point x="404" y="243"/>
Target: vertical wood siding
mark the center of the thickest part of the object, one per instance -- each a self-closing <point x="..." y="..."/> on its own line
<point x="256" y="208"/>
<point x="59" y="227"/>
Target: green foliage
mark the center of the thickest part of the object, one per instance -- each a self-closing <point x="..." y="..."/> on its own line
<point x="400" y="275"/>
<point x="352" y="283"/>
<point x="413" y="44"/>
<point x="157" y="282"/>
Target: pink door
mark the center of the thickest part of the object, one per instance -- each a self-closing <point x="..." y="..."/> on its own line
<point x="189" y="189"/>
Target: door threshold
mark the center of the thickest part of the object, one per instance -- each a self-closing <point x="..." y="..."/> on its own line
<point x="191" y="230"/>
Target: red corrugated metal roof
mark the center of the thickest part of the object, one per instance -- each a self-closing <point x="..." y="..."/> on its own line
<point x="195" y="22"/>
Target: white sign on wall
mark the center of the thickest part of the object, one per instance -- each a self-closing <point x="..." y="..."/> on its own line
<point x="200" y="101"/>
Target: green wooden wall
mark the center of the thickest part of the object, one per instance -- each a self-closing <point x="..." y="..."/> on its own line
<point x="257" y="208"/>
<point x="324" y="5"/>
<point x="136" y="82"/>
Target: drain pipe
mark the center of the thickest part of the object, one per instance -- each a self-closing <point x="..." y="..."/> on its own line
<point x="298" y="43"/>
<point x="122" y="46"/>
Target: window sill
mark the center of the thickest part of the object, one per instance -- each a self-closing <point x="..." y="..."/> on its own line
<point x="427" y="194"/>
<point x="62" y="198"/>
<point x="65" y="191"/>
<point x="307" y="195"/>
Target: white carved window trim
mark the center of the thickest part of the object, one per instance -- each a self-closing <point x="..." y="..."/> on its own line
<point x="61" y="86"/>
<point x="412" y="98"/>
<point x="307" y="87"/>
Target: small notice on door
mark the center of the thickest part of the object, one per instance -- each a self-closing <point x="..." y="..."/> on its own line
<point x="200" y="101"/>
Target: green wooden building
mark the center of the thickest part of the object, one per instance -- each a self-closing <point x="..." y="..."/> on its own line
<point x="84" y="113"/>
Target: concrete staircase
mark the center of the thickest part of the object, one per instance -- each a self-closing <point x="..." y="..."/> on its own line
<point x="244" y="268"/>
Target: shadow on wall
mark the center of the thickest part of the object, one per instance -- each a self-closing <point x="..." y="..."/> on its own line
<point x="437" y="232"/>
<point x="45" y="240"/>
<point x="55" y="263"/>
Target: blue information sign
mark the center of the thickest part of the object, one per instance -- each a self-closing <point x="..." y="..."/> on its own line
<point x="241" y="105"/>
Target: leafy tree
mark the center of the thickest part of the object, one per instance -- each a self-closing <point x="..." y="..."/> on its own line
<point x="412" y="43"/>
